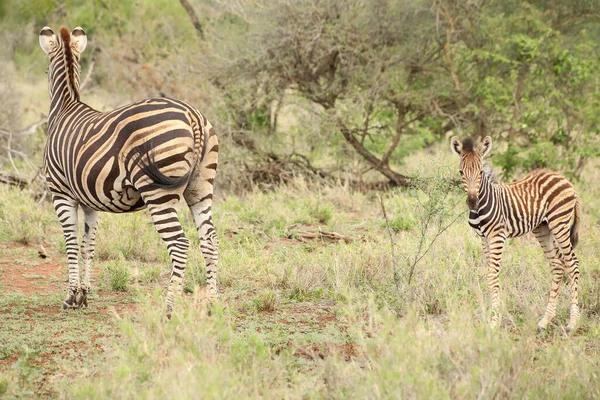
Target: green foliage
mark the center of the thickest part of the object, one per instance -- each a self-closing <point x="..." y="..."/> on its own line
<point x="25" y="369"/>
<point x="322" y="213"/>
<point x="401" y="222"/>
<point x="3" y="385"/>
<point x="151" y="273"/>
<point x="131" y="236"/>
<point x="20" y="217"/>
<point x="117" y="276"/>
<point x="265" y="301"/>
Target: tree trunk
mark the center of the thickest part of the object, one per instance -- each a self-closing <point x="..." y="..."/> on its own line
<point x="381" y="167"/>
<point x="192" y="14"/>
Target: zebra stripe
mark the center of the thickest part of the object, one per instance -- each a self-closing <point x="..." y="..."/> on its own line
<point x="150" y="154"/>
<point x="543" y="202"/>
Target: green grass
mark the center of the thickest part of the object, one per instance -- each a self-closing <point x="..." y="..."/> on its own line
<point x="302" y="319"/>
<point x="117" y="276"/>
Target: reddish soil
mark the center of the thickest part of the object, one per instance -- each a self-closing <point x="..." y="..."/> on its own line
<point x="28" y="274"/>
<point x="22" y="275"/>
<point x="23" y="271"/>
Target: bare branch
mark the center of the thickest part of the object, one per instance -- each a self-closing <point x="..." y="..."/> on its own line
<point x="387" y="223"/>
<point x="384" y="169"/>
<point x="192" y="14"/>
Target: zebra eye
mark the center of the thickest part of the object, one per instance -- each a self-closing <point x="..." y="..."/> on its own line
<point x="461" y="173"/>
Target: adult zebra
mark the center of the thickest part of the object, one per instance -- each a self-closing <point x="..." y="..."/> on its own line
<point x="153" y="153"/>
<point x="543" y="202"/>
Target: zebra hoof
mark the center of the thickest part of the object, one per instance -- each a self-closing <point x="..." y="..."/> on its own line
<point x="168" y="315"/>
<point x="569" y="330"/>
<point x="69" y="302"/>
<point x="81" y="298"/>
<point x="540" y="330"/>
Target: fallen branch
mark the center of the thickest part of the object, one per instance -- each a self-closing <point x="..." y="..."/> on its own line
<point x="13" y="180"/>
<point x="305" y="236"/>
<point x="27" y="131"/>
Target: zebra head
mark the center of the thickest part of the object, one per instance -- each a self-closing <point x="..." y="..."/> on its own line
<point x="63" y="52"/>
<point x="471" y="165"/>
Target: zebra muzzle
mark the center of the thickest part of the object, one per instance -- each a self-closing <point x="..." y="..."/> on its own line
<point x="472" y="202"/>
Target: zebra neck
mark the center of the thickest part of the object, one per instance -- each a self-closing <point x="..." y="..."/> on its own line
<point x="61" y="99"/>
<point x="488" y="192"/>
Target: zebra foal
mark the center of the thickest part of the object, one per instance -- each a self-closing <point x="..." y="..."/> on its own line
<point x="151" y="154"/>
<point x="543" y="202"/>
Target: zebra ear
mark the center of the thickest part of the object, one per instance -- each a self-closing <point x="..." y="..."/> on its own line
<point x="456" y="145"/>
<point x="78" y="40"/>
<point x="48" y="40"/>
<point x="485" y="147"/>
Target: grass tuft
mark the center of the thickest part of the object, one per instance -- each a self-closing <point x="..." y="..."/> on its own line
<point x="265" y="301"/>
<point x="117" y="276"/>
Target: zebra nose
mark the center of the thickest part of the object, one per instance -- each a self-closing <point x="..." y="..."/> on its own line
<point x="472" y="201"/>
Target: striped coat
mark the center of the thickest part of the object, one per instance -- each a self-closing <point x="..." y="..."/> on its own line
<point x="150" y="154"/>
<point x="543" y="202"/>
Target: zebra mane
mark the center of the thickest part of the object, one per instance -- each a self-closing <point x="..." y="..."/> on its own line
<point x="69" y="60"/>
<point x="488" y="170"/>
<point x="468" y="145"/>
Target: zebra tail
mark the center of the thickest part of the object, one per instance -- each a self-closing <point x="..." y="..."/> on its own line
<point x="576" y="222"/>
<point x="146" y="162"/>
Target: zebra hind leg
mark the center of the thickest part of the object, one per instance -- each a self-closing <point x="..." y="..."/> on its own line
<point x="66" y="210"/>
<point x="167" y="224"/>
<point x="209" y="243"/>
<point x="561" y="232"/>
<point x="87" y="252"/>
<point x="199" y="196"/>
<point x="546" y="240"/>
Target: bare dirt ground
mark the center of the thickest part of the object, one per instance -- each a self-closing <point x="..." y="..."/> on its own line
<point x="46" y="346"/>
<point x="38" y="341"/>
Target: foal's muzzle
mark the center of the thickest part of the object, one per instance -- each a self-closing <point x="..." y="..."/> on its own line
<point x="472" y="202"/>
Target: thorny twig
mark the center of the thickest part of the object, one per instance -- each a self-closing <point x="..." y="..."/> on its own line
<point x="417" y="257"/>
<point x="434" y="209"/>
<point x="387" y="223"/>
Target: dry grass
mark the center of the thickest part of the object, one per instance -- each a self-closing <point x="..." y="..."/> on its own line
<point x="318" y="320"/>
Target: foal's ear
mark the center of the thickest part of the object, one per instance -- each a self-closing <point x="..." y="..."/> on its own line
<point x="48" y="40"/>
<point x="456" y="145"/>
<point x="78" y="40"/>
<point x="485" y="147"/>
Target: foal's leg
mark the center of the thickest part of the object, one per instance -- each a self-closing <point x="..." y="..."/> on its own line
<point x="561" y="232"/>
<point x="496" y="246"/>
<point x="546" y="240"/>
<point x="486" y="249"/>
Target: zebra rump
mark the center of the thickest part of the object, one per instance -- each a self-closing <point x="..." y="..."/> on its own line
<point x="146" y="161"/>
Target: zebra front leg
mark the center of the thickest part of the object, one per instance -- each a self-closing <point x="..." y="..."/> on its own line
<point x="66" y="210"/>
<point x="496" y="246"/>
<point x="167" y="224"/>
<point x="87" y="252"/>
<point x="486" y="249"/>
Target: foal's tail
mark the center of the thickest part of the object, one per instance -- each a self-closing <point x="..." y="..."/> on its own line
<point x="576" y="222"/>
